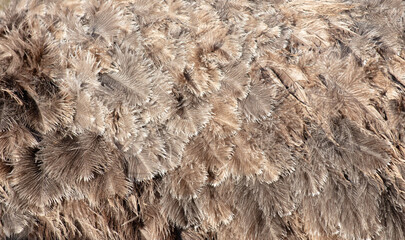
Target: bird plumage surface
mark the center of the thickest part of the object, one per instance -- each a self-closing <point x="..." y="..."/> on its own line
<point x="212" y="119"/>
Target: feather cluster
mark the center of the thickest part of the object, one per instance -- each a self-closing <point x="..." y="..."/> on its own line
<point x="214" y="119"/>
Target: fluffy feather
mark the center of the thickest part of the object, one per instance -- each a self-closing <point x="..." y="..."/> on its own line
<point x="210" y="119"/>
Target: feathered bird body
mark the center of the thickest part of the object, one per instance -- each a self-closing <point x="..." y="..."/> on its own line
<point x="208" y="119"/>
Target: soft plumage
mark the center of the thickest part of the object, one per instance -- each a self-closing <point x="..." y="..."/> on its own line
<point x="211" y="119"/>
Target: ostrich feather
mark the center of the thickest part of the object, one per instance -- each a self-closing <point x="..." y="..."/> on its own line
<point x="261" y="100"/>
<point x="62" y="157"/>
<point x="16" y="136"/>
<point x="190" y="115"/>
<point x="133" y="81"/>
<point x="183" y="213"/>
<point x="105" y="20"/>
<point x="141" y="166"/>
<point x="32" y="185"/>
<point x="188" y="180"/>
<point x="247" y="160"/>
<point x="216" y="210"/>
<point x="211" y="119"/>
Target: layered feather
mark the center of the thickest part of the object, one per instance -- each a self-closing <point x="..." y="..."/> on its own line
<point x="205" y="119"/>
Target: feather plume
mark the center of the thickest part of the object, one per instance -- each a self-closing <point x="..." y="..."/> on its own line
<point x="31" y="183"/>
<point x="106" y="20"/>
<point x="247" y="160"/>
<point x="212" y="119"/>
<point x="187" y="181"/>
<point x="75" y="158"/>
<point x="261" y="100"/>
<point x="225" y="120"/>
<point x="190" y="117"/>
<point x="15" y="138"/>
<point x="216" y="210"/>
<point x="133" y="80"/>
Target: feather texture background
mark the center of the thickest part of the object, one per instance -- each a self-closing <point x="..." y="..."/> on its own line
<point x="208" y="119"/>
